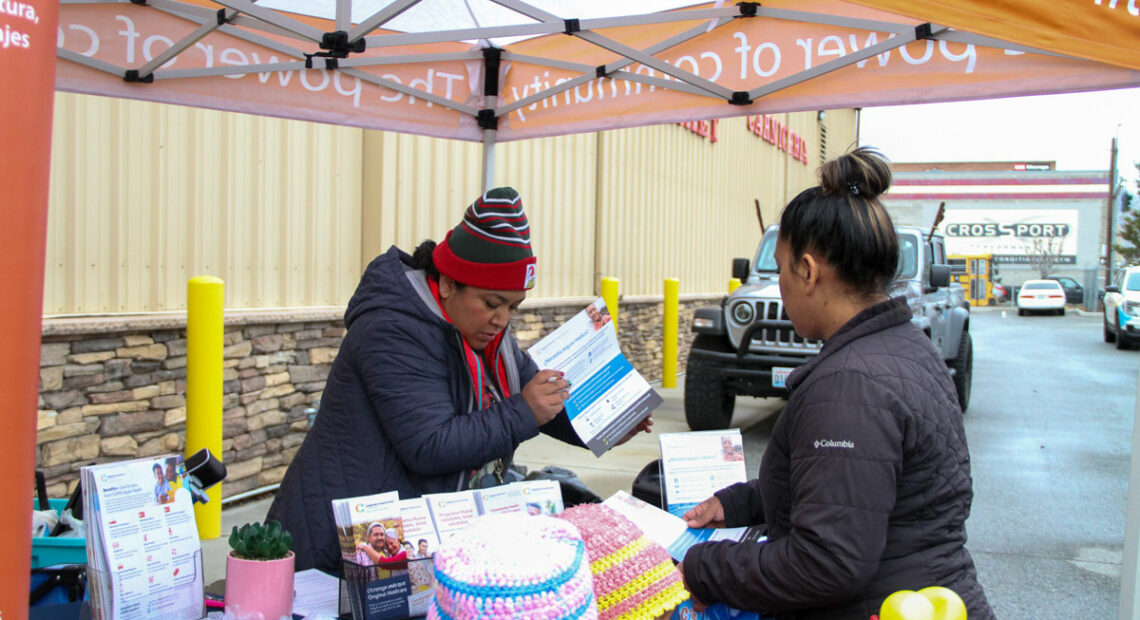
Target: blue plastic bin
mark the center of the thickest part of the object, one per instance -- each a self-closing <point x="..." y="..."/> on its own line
<point x="51" y="551"/>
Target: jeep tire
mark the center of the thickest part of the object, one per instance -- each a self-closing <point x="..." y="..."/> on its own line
<point x="1121" y="341"/>
<point x="708" y="401"/>
<point x="963" y="366"/>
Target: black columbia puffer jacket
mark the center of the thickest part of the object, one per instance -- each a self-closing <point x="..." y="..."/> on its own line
<point x="398" y="412"/>
<point x="865" y="486"/>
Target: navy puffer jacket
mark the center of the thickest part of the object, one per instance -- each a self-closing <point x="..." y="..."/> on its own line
<point x="865" y="485"/>
<point x="398" y="412"/>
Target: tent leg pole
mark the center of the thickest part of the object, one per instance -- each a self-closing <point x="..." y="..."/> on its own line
<point x="488" y="172"/>
<point x="1130" y="564"/>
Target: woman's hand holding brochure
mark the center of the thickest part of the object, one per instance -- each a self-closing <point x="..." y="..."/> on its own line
<point x="709" y="513"/>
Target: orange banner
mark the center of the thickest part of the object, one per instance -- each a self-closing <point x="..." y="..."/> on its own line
<point x="1101" y="30"/>
<point x="754" y="52"/>
<point x="129" y="36"/>
<point x="27" y="74"/>
<point x="787" y="40"/>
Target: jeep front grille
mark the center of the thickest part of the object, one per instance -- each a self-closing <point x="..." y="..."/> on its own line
<point x="780" y="338"/>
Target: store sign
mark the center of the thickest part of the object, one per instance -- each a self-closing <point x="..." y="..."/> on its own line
<point x="772" y="131"/>
<point x="704" y="129"/>
<point x="1010" y="234"/>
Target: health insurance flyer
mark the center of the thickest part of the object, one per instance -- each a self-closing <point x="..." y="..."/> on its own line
<point x="149" y="537"/>
<point x="697" y="464"/>
<point x="607" y="396"/>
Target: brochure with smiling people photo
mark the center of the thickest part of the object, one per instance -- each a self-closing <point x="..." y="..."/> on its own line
<point x="608" y="397"/>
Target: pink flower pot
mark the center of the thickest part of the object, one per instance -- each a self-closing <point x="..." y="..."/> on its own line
<point x="259" y="589"/>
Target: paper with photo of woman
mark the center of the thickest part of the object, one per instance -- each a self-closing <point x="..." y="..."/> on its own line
<point x="608" y="397"/>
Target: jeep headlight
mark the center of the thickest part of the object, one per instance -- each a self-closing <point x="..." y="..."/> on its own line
<point x="742" y="312"/>
<point x="1130" y="307"/>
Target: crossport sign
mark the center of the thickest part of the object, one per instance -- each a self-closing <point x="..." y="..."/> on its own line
<point x="1020" y="229"/>
<point x="1007" y="234"/>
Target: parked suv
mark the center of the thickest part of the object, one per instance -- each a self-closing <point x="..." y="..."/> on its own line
<point x="746" y="346"/>
<point x="1122" y="309"/>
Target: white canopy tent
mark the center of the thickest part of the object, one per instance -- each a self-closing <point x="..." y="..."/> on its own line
<point x="499" y="70"/>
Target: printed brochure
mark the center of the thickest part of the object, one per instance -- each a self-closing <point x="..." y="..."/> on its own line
<point x="670" y="531"/>
<point x="608" y="397"/>
<point x="370" y="529"/>
<point x="144" y="555"/>
<point x="695" y="465"/>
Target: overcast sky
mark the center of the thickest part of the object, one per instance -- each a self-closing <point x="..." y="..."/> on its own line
<point x="1075" y="130"/>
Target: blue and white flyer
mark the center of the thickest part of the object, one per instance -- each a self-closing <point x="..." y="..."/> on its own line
<point x="608" y="397"/>
<point x="697" y="464"/>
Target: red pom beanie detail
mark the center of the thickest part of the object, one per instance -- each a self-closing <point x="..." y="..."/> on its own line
<point x="490" y="248"/>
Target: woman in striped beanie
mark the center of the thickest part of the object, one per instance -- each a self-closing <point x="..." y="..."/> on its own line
<point x="429" y="392"/>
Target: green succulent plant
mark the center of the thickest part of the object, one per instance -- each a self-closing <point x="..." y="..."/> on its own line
<point x="256" y="541"/>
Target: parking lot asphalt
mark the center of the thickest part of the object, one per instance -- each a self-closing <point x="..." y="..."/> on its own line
<point x="1050" y="431"/>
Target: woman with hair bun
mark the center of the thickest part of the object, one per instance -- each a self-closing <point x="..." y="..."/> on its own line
<point x="865" y="485"/>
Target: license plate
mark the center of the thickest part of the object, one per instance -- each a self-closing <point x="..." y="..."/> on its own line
<point x="780" y="376"/>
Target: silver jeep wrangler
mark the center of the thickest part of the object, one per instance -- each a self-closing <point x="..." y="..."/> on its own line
<point x="747" y="346"/>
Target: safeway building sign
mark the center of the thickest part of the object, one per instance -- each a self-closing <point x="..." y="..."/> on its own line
<point x="1011" y="235"/>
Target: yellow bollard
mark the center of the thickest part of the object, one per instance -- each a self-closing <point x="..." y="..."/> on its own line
<point x="733" y="284"/>
<point x="204" y="337"/>
<point x="669" y="345"/>
<point x="610" y="294"/>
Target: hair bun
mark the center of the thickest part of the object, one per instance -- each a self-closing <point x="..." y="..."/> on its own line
<point x="864" y="172"/>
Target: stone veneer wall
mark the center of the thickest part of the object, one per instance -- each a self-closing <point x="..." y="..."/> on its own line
<point x="114" y="388"/>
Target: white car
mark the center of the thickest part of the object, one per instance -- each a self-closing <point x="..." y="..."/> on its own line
<point x="1040" y="296"/>
<point x="1122" y="309"/>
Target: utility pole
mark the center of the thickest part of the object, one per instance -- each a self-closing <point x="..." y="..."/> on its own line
<point x="1113" y="192"/>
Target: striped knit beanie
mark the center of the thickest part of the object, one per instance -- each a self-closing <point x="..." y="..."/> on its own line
<point x="490" y="248"/>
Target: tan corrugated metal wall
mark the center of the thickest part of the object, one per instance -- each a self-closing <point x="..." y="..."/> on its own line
<point x="146" y="196"/>
<point x="673" y="204"/>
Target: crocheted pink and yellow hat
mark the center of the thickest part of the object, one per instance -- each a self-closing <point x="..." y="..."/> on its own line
<point x="634" y="577"/>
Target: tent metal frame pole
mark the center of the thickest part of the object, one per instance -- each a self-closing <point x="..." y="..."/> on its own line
<point x="236" y="25"/>
<point x="487" y="168"/>
<point x="413" y="92"/>
<point x="545" y="23"/>
<point x="1130" y="557"/>
<point x="409" y="59"/>
<point x="487" y="117"/>
<point x="838" y="63"/>
<point x="606" y="43"/>
<point x="957" y="36"/>
<point x="585" y="69"/>
<point x="623" y="50"/>
<point x="554" y="91"/>
<point x="379" y="18"/>
<point x="262" y="41"/>
<point x="179" y="74"/>
<point x="182" y="45"/>
<point x="299" y="64"/>
<point x="824" y="19"/>
<point x="269" y="16"/>
<point x="99" y="65"/>
<point x="343" y="19"/>
<point x="614" y="67"/>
